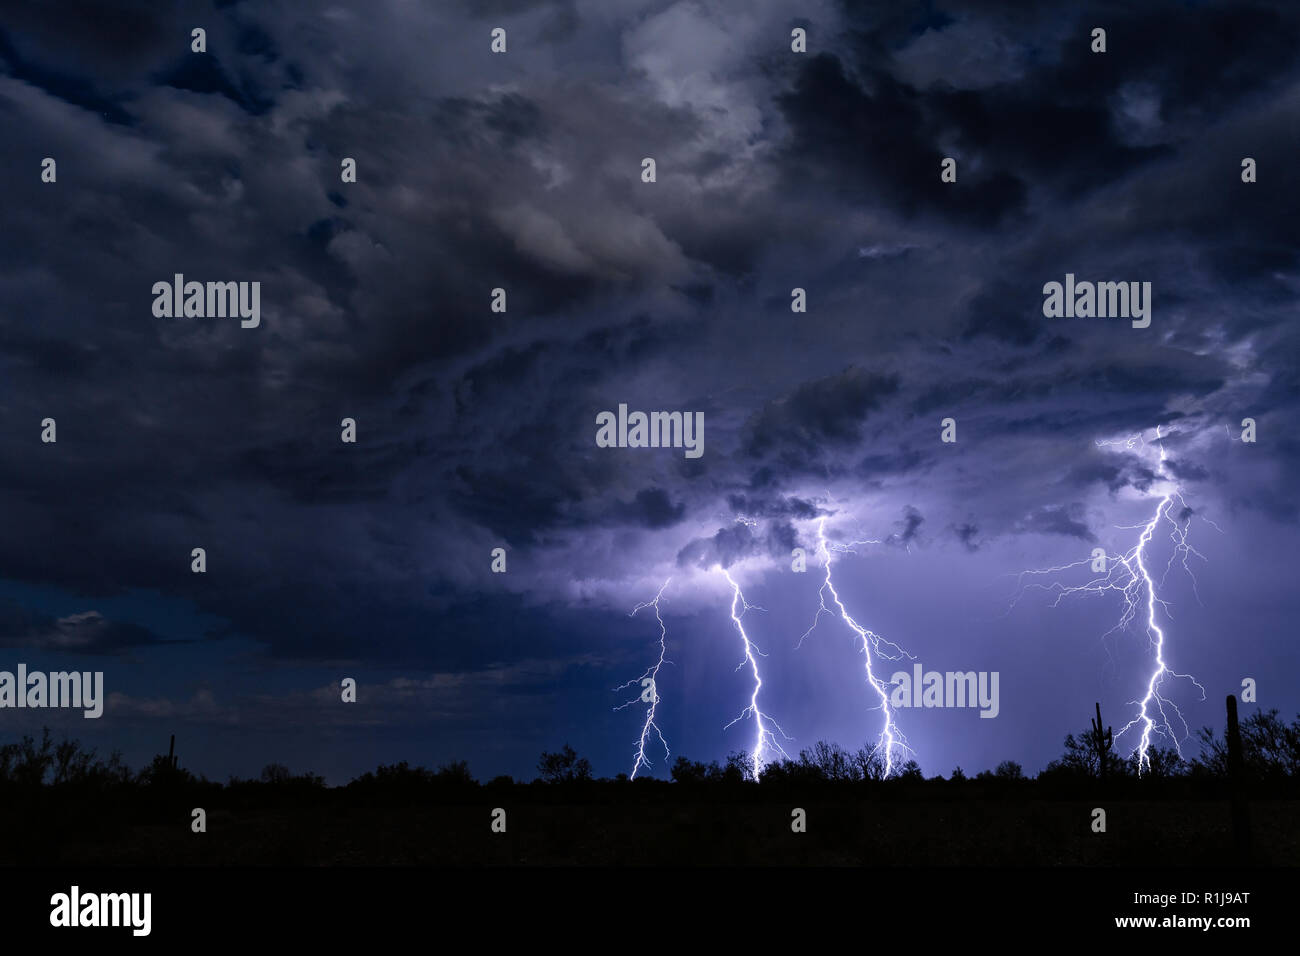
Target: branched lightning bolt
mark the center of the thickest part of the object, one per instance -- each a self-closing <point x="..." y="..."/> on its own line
<point x="652" y="674"/>
<point x="1130" y="575"/>
<point x="765" y="728"/>
<point x="891" y="741"/>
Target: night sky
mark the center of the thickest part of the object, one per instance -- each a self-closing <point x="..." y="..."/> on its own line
<point x="476" y="429"/>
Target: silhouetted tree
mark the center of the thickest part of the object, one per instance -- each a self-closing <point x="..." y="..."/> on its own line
<point x="162" y="772"/>
<point x="802" y="771"/>
<point x="740" y="764"/>
<point x="563" y="767"/>
<point x="65" y="764"/>
<point x="869" y="764"/>
<point x="1161" y="763"/>
<point x="455" y="774"/>
<point x="27" y="762"/>
<point x="689" y="771"/>
<point x="1009" y="770"/>
<point x="276" y="773"/>
<point x="911" y="771"/>
<point x="832" y="761"/>
<point x="1270" y="748"/>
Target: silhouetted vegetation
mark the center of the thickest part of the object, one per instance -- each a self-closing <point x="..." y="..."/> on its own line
<point x="563" y="767"/>
<point x="1270" y="746"/>
<point x="59" y="798"/>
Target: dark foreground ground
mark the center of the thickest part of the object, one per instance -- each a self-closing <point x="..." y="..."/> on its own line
<point x="839" y="832"/>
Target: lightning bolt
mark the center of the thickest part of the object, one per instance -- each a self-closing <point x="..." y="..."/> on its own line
<point x="651" y="674"/>
<point x="891" y="742"/>
<point x="1130" y="574"/>
<point x="765" y="728"/>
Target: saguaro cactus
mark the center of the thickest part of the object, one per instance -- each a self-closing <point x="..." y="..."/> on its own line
<point x="1101" y="743"/>
<point x="1237" y="784"/>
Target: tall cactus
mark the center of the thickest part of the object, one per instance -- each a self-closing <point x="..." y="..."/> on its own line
<point x="1101" y="743"/>
<point x="1237" y="785"/>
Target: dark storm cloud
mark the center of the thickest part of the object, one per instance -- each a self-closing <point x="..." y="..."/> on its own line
<point x="498" y="8"/>
<point x="833" y="116"/>
<point x="909" y="528"/>
<point x="756" y="506"/>
<point x="1114" y="475"/>
<point x="652" y="508"/>
<point x="204" y="74"/>
<point x="86" y="632"/>
<point x="1004" y="312"/>
<point x="69" y="87"/>
<point x="1186" y="470"/>
<point x="904" y="461"/>
<point x="967" y="534"/>
<point x="741" y="540"/>
<point x="1066" y="520"/>
<point x="829" y="411"/>
<point x="724" y="548"/>
<point x="1095" y="128"/>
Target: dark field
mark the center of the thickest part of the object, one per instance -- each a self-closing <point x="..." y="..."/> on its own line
<point x="840" y="832"/>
